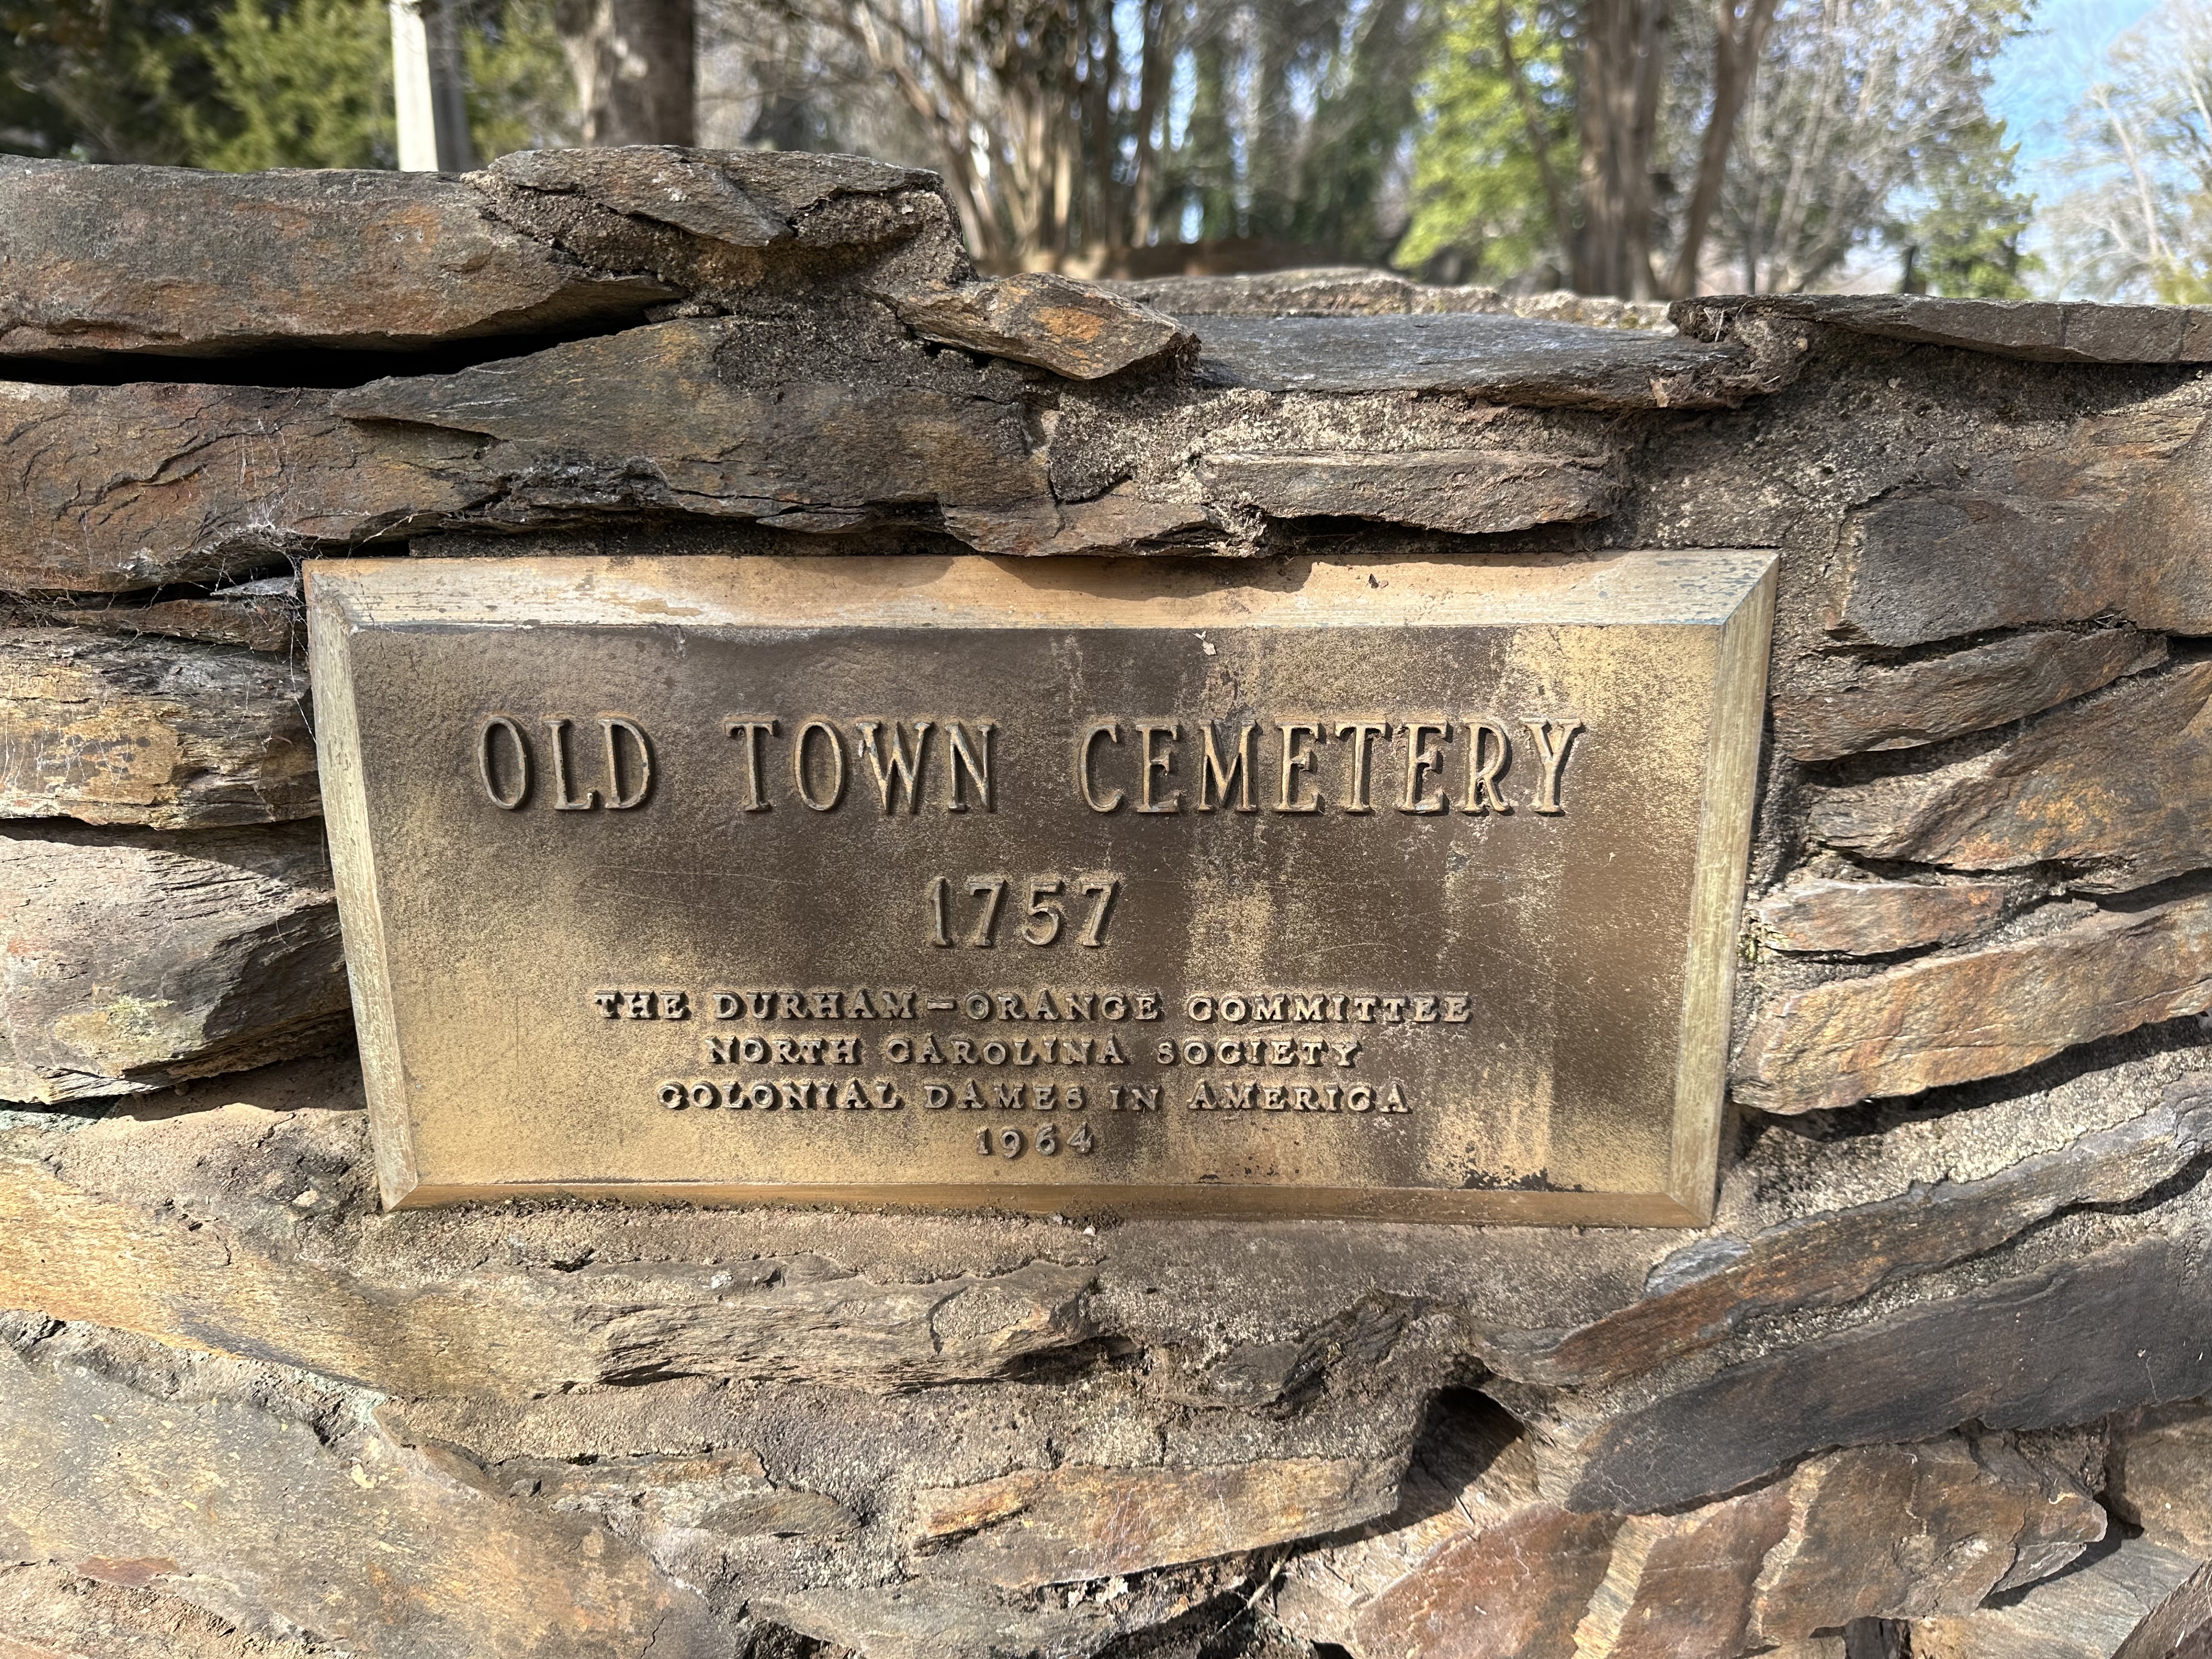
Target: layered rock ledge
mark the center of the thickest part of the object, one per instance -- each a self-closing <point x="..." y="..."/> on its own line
<point x="1935" y="1373"/>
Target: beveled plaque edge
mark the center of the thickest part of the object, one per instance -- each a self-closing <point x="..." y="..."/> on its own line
<point x="353" y="869"/>
<point x="1724" y="832"/>
<point x="1413" y="1206"/>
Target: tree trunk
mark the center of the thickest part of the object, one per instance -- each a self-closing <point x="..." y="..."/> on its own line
<point x="1623" y="58"/>
<point x="1738" y="37"/>
<point x="635" y="64"/>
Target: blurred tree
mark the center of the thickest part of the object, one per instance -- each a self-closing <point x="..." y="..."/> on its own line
<point x="242" y="84"/>
<point x="1073" y="132"/>
<point x="636" y="66"/>
<point x="1612" y="100"/>
<point x="1862" y="104"/>
<point x="1498" y="123"/>
<point x="309" y="86"/>
<point x="2138" y="223"/>
<point x="520" y="96"/>
<point x="1662" y="141"/>
<point x="1964" y="239"/>
<point x="101" y="80"/>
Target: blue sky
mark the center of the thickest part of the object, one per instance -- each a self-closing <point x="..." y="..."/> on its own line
<point x="2039" y="76"/>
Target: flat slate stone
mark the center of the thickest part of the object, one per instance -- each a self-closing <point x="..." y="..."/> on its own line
<point x="1507" y="359"/>
<point x="120" y="1466"/>
<point x="1982" y="1013"/>
<point x="2156" y="1476"/>
<point x="266" y="614"/>
<point x="519" y="1330"/>
<point x="747" y="198"/>
<point x="2119" y="786"/>
<point x="1829" y="708"/>
<point x="136" y="960"/>
<point x="1470" y="491"/>
<point x="2118" y="1325"/>
<point x="107" y="729"/>
<point x="1709" y="1291"/>
<point x="2137" y="1602"/>
<point x="1364" y="291"/>
<point x="1076" y="1523"/>
<point x="2103" y="518"/>
<point x="96" y="259"/>
<point x="1314" y="291"/>
<point x="1876" y="918"/>
<point x="2040" y="331"/>
<point x="117" y="488"/>
<point x="1079" y="329"/>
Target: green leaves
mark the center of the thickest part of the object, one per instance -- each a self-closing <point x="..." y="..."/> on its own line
<point x="1498" y="93"/>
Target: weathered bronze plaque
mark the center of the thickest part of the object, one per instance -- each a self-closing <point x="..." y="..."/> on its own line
<point x="1389" y="889"/>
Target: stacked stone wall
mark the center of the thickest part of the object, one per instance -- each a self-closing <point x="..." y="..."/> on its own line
<point x="1934" y="1376"/>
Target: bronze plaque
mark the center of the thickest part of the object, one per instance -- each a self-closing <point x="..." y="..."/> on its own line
<point x="1360" y="887"/>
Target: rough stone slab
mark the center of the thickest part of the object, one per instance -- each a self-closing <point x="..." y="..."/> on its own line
<point x="2160" y="1476"/>
<point x="808" y="425"/>
<point x="929" y="1623"/>
<point x="1711" y="1289"/>
<point x="1469" y="1473"/>
<point x="1474" y="1563"/>
<point x="1827" y="707"/>
<point x="1121" y="520"/>
<point x="1505" y="359"/>
<point x="853" y="1274"/>
<point x="114" y="488"/>
<point x="679" y="417"/>
<point x="746" y="198"/>
<point x="517" y="1331"/>
<point x="265" y="615"/>
<point x="1892" y="1532"/>
<point x="1949" y="1019"/>
<point x="1078" y="1522"/>
<point x="96" y="259"/>
<point x="124" y="1463"/>
<point x="50" y="1613"/>
<point x="1688" y="1583"/>
<point x="2120" y="785"/>
<point x="2154" y="544"/>
<point x="654" y="1499"/>
<point x="2139" y="1601"/>
<point x="1910" y="1532"/>
<point x="1362" y="291"/>
<point x="752" y="230"/>
<point x="1515" y="1591"/>
<point x="155" y="732"/>
<point x="1313" y="291"/>
<point x="131" y="487"/>
<point x="1469" y="491"/>
<point x="1881" y="1532"/>
<point x="133" y="960"/>
<point x="2080" y="515"/>
<point x="2118" y="1325"/>
<point x="2039" y="330"/>
<point x="1875" y="918"/>
<point x="652" y="1323"/>
<point x="1077" y="330"/>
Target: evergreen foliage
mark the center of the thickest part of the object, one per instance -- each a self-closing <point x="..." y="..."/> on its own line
<point x="1480" y="212"/>
<point x="309" y="85"/>
<point x="102" y="80"/>
<point x="238" y="85"/>
<point x="1966" y="242"/>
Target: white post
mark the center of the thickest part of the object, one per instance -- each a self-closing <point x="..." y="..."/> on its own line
<point x="428" y="89"/>
<point x="410" y="85"/>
